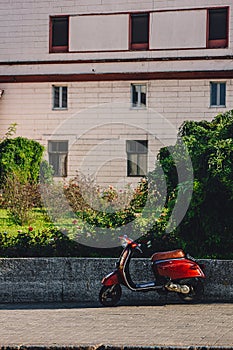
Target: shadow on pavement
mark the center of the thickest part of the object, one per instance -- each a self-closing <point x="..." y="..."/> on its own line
<point x="96" y="305"/>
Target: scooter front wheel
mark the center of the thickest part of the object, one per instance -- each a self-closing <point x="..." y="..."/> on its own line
<point x="110" y="295"/>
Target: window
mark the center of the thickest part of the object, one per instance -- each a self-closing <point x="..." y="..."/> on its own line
<point x="138" y="95"/>
<point x="59" y="97"/>
<point x="139" y="31"/>
<point x="217" y="28"/>
<point x="59" y="34"/>
<point x="58" y="153"/>
<point x="136" y="157"/>
<point x="218" y="94"/>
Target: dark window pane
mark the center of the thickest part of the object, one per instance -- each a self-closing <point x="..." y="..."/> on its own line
<point x="131" y="146"/>
<point x="222" y="94"/>
<point x="141" y="146"/>
<point x="134" y="96"/>
<point x="60" y="31"/>
<point x="53" y="146"/>
<point x="62" y="146"/>
<point x="213" y="98"/>
<point x="217" y="24"/>
<point x="60" y="96"/>
<point x="143" y="98"/>
<point x="218" y="94"/>
<point x="139" y="34"/>
<point x="58" y="151"/>
<point x="64" y="97"/>
<point x="136" y="157"/>
<point x="138" y="97"/>
<point x="56" y="97"/>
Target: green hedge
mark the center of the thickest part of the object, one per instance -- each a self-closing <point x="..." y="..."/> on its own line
<point x="47" y="243"/>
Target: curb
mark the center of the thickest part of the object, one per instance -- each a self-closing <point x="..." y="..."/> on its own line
<point x="113" y="347"/>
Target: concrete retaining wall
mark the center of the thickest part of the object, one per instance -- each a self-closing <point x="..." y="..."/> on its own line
<point x="79" y="279"/>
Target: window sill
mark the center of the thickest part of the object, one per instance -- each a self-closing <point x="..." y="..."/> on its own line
<point x="217" y="106"/>
<point x="60" y="109"/>
<point x="139" y="107"/>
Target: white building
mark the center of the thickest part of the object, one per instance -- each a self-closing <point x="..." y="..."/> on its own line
<point x="103" y="84"/>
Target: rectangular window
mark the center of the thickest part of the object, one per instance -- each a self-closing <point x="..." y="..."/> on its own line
<point x="217" y="28"/>
<point x="139" y="31"/>
<point x="58" y="154"/>
<point x="59" y="28"/>
<point x="138" y="95"/>
<point x="59" y="97"/>
<point x="217" y="94"/>
<point x="136" y="157"/>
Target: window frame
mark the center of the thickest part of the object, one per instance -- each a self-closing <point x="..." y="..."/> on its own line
<point x="139" y="104"/>
<point x="138" y="46"/>
<point x="137" y="152"/>
<point x="59" y="154"/>
<point x="62" y="48"/>
<point x="217" y="43"/>
<point x="60" y="107"/>
<point x="218" y="94"/>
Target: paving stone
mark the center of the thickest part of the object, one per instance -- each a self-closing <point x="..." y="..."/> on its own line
<point x="71" y="325"/>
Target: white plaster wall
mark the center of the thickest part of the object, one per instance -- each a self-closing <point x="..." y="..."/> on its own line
<point x="99" y="119"/>
<point x="24" y="26"/>
<point x="91" y="33"/>
<point x="176" y="30"/>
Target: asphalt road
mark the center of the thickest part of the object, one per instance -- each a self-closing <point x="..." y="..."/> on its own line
<point x="73" y="324"/>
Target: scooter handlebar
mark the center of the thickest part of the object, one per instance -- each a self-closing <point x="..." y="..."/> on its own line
<point x="125" y="240"/>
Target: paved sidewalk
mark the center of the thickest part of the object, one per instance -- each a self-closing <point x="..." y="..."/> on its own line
<point x="163" y="326"/>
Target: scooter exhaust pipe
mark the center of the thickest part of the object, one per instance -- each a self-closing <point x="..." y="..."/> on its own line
<point x="178" y="288"/>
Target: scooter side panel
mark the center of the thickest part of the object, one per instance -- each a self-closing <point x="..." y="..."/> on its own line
<point x="178" y="269"/>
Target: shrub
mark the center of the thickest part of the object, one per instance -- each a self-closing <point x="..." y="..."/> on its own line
<point x="46" y="243"/>
<point x="20" y="155"/>
<point x="19" y="198"/>
<point x="206" y="230"/>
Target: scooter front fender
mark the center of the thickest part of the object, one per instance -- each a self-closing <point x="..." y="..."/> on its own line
<point x="111" y="278"/>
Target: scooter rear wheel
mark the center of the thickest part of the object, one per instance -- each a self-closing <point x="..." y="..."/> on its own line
<point x="110" y="295"/>
<point x="196" y="290"/>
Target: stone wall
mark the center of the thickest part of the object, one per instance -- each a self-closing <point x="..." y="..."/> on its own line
<point x="79" y="280"/>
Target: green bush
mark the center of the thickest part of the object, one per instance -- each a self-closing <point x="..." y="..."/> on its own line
<point x="20" y="156"/>
<point x="206" y="230"/>
<point x="20" y="198"/>
<point x="46" y="243"/>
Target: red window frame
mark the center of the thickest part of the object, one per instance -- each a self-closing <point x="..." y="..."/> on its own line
<point x="54" y="49"/>
<point x="217" y="43"/>
<point x="138" y="46"/>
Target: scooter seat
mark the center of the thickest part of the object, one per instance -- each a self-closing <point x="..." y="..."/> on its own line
<point x="173" y="254"/>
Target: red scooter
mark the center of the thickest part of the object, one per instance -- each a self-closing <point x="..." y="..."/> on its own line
<point x="174" y="271"/>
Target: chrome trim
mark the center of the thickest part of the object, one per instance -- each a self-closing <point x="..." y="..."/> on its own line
<point x="159" y="261"/>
